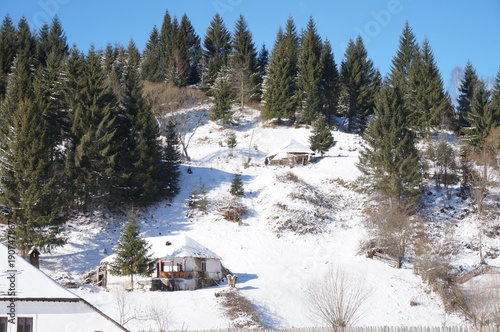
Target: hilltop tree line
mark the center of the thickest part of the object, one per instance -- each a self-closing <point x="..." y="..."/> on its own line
<point x="76" y="129"/>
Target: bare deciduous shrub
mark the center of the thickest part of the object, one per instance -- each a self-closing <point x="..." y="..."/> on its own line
<point x="167" y="98"/>
<point x="337" y="298"/>
<point x="239" y="309"/>
<point x="392" y="232"/>
<point x="483" y="302"/>
<point x="232" y="209"/>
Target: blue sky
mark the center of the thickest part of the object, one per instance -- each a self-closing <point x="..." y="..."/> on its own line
<point x="458" y="30"/>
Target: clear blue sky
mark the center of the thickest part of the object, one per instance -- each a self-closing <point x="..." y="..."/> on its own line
<point x="458" y="30"/>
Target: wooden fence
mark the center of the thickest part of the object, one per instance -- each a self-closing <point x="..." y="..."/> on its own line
<point x="371" y="329"/>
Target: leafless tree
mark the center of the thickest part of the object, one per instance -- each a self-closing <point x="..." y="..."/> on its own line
<point x="187" y="123"/>
<point x="483" y="299"/>
<point x="337" y="298"/>
<point x="160" y="317"/>
<point x="127" y="311"/>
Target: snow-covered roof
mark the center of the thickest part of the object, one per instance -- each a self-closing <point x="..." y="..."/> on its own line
<point x="30" y="281"/>
<point x="290" y="147"/>
<point x="179" y="246"/>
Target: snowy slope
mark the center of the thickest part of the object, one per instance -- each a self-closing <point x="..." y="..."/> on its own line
<point x="273" y="271"/>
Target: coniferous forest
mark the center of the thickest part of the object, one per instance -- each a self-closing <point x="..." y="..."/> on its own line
<point x="78" y="130"/>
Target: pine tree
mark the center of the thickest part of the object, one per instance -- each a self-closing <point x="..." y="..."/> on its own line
<point x="280" y="86"/>
<point x="8" y="51"/>
<point x="92" y="153"/>
<point x="243" y="64"/>
<point x="142" y="165"/>
<point x="389" y="160"/>
<point x="404" y="60"/>
<point x="150" y="64"/>
<point x="132" y="252"/>
<point x="426" y="98"/>
<point x="480" y="117"/>
<point x="321" y="138"/>
<point x="329" y="80"/>
<point x="27" y="178"/>
<point x="171" y="159"/>
<point x="223" y="97"/>
<point x="237" y="186"/>
<point x="309" y="74"/>
<point x="262" y="60"/>
<point x="495" y="101"/>
<point x="359" y="82"/>
<point x="188" y="43"/>
<point x="166" y="38"/>
<point x="217" y="48"/>
<point x="466" y="94"/>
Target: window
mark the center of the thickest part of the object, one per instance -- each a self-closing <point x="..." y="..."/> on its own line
<point x="204" y="266"/>
<point x="3" y="324"/>
<point x="24" y="324"/>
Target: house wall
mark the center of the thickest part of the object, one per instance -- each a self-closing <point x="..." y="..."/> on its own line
<point x="61" y="317"/>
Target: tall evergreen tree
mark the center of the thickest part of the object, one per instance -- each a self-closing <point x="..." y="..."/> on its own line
<point x="404" y="60"/>
<point x="480" y="117"/>
<point x="141" y="167"/>
<point x="92" y="152"/>
<point x="187" y="45"/>
<point x="426" y="98"/>
<point x="27" y="180"/>
<point x="171" y="160"/>
<point x="167" y="35"/>
<point x="132" y="252"/>
<point x="389" y="160"/>
<point x="359" y="81"/>
<point x="495" y="100"/>
<point x="262" y="60"/>
<point x="466" y="94"/>
<point x="150" y="64"/>
<point x="217" y="48"/>
<point x="329" y="80"/>
<point x="309" y="73"/>
<point x="280" y="86"/>
<point x="8" y="51"/>
<point x="243" y="63"/>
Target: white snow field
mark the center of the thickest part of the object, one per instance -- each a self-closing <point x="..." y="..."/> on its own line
<point x="273" y="269"/>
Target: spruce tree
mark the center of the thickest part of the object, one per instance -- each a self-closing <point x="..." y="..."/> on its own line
<point x="187" y="43"/>
<point x="280" y="86"/>
<point x="426" y="98"/>
<point x="132" y="252"/>
<point x="359" y="83"/>
<point x="92" y="153"/>
<point x="404" y="60"/>
<point x="321" y="139"/>
<point x="166" y="40"/>
<point x="8" y="51"/>
<point x="495" y="101"/>
<point x="141" y="167"/>
<point x="329" y="80"/>
<point x="389" y="160"/>
<point x="243" y="63"/>
<point x="480" y="117"/>
<point x="237" y="186"/>
<point x="466" y="94"/>
<point x="150" y="64"/>
<point x="309" y="74"/>
<point x="262" y="60"/>
<point x="171" y="160"/>
<point x="27" y="177"/>
<point x="223" y="97"/>
<point x="217" y="48"/>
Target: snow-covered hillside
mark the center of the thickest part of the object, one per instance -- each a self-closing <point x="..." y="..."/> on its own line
<point x="273" y="268"/>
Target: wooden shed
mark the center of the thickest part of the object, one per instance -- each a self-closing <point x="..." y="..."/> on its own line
<point x="290" y="153"/>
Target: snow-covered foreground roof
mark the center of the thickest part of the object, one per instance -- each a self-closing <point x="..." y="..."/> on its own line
<point x="30" y="281"/>
<point x="180" y="246"/>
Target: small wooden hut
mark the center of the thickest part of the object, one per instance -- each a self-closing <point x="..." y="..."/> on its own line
<point x="289" y="154"/>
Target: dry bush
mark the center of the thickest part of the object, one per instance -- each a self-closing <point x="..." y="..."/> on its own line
<point x="239" y="309"/>
<point x="165" y="98"/>
<point x="392" y="232"/>
<point x="232" y="209"/>
<point x="483" y="301"/>
<point x="336" y="299"/>
<point x="288" y="177"/>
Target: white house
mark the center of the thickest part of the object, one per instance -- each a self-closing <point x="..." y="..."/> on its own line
<point x="180" y="263"/>
<point x="290" y="153"/>
<point x="32" y="302"/>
